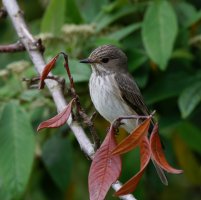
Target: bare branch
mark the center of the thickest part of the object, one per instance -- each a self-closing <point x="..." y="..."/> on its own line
<point x="12" y="48"/>
<point x="30" y="44"/>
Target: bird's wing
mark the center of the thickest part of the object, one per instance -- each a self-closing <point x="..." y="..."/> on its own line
<point x="131" y="93"/>
<point x="132" y="96"/>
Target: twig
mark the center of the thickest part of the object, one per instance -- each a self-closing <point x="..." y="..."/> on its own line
<point x="87" y="120"/>
<point x="34" y="81"/>
<point x="117" y="122"/>
<point x="18" y="47"/>
<point x="29" y="42"/>
<point x="12" y="48"/>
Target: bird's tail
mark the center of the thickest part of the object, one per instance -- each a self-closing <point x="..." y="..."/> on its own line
<point x="160" y="173"/>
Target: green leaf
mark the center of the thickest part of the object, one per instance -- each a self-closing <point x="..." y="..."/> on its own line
<point x="17" y="147"/>
<point x="170" y="85"/>
<point x="57" y="157"/>
<point x="190" y="98"/>
<point x="104" y="19"/>
<point x="122" y="33"/>
<point x="30" y="95"/>
<point x="90" y="8"/>
<point x="106" y="40"/>
<point x="137" y="58"/>
<point x="190" y="134"/>
<point x="182" y="54"/>
<point x="187" y="14"/>
<point x="11" y="89"/>
<point x="54" y="17"/>
<point x="159" y="31"/>
<point x="72" y="12"/>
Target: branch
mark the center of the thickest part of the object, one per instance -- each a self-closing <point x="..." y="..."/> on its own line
<point x="30" y="44"/>
<point x="12" y="48"/>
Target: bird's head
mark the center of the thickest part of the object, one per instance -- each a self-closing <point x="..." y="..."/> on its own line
<point x="107" y="58"/>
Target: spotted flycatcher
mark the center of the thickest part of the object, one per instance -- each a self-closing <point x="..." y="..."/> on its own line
<point x="113" y="91"/>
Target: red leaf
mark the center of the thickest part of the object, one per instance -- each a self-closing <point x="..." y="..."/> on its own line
<point x="46" y="71"/>
<point x="145" y="155"/>
<point x="133" y="139"/>
<point x="57" y="120"/>
<point x="158" y="154"/>
<point x="105" y="168"/>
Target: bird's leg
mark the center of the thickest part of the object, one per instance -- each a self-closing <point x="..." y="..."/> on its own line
<point x="93" y="116"/>
<point x="137" y="122"/>
<point x="116" y="124"/>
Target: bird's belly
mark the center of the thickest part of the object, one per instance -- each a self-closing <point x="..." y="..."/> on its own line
<point x="108" y="102"/>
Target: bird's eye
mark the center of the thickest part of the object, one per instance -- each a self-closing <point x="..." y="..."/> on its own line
<point x="105" y="60"/>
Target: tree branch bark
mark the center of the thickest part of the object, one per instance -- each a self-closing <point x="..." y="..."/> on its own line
<point x="16" y="16"/>
<point x="12" y="48"/>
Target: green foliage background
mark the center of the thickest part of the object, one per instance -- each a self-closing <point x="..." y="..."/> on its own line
<point x="163" y="42"/>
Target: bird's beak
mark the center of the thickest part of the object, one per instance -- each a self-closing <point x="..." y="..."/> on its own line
<point x="87" y="60"/>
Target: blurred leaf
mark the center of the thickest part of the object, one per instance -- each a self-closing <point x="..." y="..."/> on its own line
<point x="190" y="134"/>
<point x="105" y="19"/>
<point x="138" y="58"/>
<point x="90" y="8"/>
<point x="17" y="147"/>
<point x="54" y="17"/>
<point x="169" y="85"/>
<point x="10" y="89"/>
<point x="72" y="12"/>
<point x="123" y="32"/>
<point x="141" y="79"/>
<point x="106" y="40"/>
<point x="114" y="5"/>
<point x="57" y="157"/>
<point x="187" y="161"/>
<point x="189" y="99"/>
<point x="157" y="37"/>
<point x="195" y="18"/>
<point x="187" y="13"/>
<point x="182" y="54"/>
<point x="29" y="95"/>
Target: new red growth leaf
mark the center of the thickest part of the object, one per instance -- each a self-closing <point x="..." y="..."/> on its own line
<point x="133" y="139"/>
<point x="46" y="71"/>
<point x="57" y="120"/>
<point x="145" y="154"/>
<point x="158" y="154"/>
<point x="105" y="168"/>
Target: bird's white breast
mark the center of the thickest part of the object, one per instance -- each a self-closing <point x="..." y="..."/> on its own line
<point x="107" y="100"/>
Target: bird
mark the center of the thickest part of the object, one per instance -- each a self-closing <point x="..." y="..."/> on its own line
<point x="113" y="90"/>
